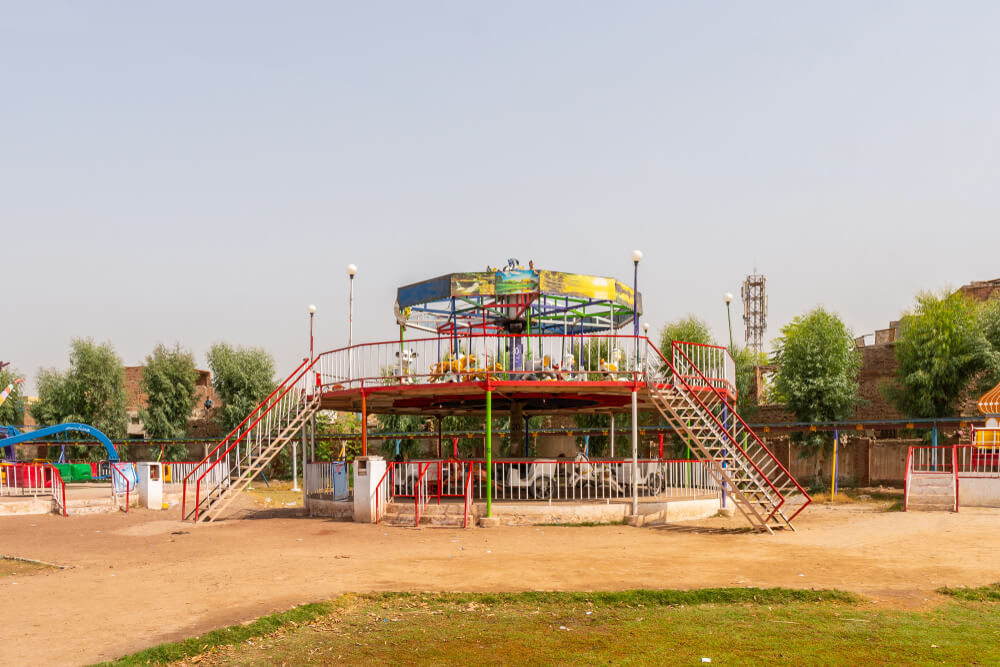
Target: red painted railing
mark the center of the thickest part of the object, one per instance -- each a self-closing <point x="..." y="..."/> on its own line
<point x="58" y="487"/>
<point x="468" y="496"/>
<point x="206" y="464"/>
<point x="117" y="474"/>
<point x="733" y="442"/>
<point x="421" y="496"/>
<point x="382" y="493"/>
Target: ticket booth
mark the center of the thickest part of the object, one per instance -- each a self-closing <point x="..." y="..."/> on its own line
<point x="150" y="485"/>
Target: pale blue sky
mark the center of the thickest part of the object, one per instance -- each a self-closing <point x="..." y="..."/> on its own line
<point x="201" y="171"/>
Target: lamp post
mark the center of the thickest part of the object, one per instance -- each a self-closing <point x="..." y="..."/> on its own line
<point x="636" y="256"/>
<point x="312" y="312"/>
<point x="351" y="271"/>
<point x="729" y="300"/>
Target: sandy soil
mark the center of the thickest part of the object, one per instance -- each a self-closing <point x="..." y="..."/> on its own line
<point x="140" y="579"/>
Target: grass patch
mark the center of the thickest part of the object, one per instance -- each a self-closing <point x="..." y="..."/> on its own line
<point x="18" y="567"/>
<point x="235" y="634"/>
<point x="741" y="626"/>
<point x="582" y="524"/>
<point x="277" y="494"/>
<point x="989" y="593"/>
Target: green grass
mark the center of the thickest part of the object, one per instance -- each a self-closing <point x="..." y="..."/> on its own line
<point x="989" y="593"/>
<point x="16" y="567"/>
<point x="582" y="524"/>
<point x="730" y="625"/>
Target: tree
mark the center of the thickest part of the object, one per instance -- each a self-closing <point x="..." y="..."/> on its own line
<point x="92" y="391"/>
<point x="12" y="410"/>
<point x="168" y="379"/>
<point x="746" y="360"/>
<point x="688" y="329"/>
<point x="940" y="349"/>
<point x="989" y="324"/>
<point x="818" y="365"/>
<point x="242" y="377"/>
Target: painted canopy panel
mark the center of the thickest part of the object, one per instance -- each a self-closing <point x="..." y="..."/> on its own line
<point x="518" y="281"/>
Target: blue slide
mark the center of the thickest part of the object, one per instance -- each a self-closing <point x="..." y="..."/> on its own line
<point x="43" y="433"/>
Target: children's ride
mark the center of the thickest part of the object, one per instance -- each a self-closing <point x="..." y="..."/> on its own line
<point x="521" y="342"/>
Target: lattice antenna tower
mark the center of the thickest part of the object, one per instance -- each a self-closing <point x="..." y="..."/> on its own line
<point x="754" y="310"/>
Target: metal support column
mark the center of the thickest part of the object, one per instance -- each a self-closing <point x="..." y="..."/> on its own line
<point x="489" y="453"/>
<point x="635" y="451"/>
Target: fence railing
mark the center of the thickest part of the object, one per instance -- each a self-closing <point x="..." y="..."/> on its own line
<point x="25" y="479"/>
<point x="33" y="479"/>
<point x="552" y="479"/>
<point x="468" y="358"/>
<point x="58" y="487"/>
<point x="124" y="479"/>
<point x="329" y="478"/>
<point x="958" y="459"/>
<point x="704" y="365"/>
<point x="421" y="493"/>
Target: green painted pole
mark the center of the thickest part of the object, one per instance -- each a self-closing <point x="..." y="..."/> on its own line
<point x="489" y="453"/>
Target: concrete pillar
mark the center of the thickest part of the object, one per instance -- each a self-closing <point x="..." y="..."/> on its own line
<point x="368" y="471"/>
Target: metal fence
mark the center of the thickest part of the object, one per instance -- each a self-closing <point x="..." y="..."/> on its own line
<point x="553" y="479"/>
<point x="326" y="479"/>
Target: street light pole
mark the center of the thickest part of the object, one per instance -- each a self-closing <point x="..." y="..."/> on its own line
<point x="312" y="311"/>
<point x="351" y="271"/>
<point x="636" y="256"/>
<point x="729" y="316"/>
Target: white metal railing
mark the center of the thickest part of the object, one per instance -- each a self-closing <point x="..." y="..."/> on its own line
<point x="25" y="479"/>
<point x="704" y="365"/>
<point x="248" y="441"/>
<point x="326" y="479"/>
<point x="467" y="358"/>
<point x="33" y="479"/>
<point x="553" y="479"/>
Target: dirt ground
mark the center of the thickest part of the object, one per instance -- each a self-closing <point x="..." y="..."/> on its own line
<point x="140" y="579"/>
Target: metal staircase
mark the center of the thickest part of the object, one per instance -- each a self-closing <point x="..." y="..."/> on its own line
<point x="233" y="464"/>
<point x="702" y="411"/>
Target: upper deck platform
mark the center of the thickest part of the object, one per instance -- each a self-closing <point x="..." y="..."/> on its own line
<point x="543" y="374"/>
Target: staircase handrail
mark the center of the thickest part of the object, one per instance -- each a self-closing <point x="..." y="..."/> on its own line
<point x="735" y="414"/>
<point x="288" y="386"/>
<point x="468" y="495"/>
<point x="128" y="487"/>
<point x="417" y="505"/>
<point x="245" y="420"/>
<point x="378" y="496"/>
<point x="58" y="496"/>
<point x="695" y="397"/>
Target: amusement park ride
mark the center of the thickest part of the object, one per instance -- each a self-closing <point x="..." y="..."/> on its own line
<point x="523" y="341"/>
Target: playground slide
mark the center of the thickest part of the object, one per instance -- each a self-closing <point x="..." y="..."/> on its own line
<point x="48" y="431"/>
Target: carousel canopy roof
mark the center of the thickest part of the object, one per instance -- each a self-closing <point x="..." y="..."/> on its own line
<point x="552" y="300"/>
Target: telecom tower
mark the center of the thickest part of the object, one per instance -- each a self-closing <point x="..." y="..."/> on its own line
<point x="754" y="310"/>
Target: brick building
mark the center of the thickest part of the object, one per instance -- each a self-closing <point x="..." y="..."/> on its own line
<point x="202" y="421"/>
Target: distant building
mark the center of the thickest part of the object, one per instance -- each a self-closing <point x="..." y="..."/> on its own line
<point x="201" y="424"/>
<point x="981" y="290"/>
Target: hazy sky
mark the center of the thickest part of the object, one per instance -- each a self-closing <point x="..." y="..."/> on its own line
<point x="202" y="171"/>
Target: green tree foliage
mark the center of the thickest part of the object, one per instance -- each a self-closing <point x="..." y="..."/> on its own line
<point x="688" y="329"/>
<point x="12" y="411"/>
<point x="92" y="391"/>
<point x="747" y="403"/>
<point x="242" y="378"/>
<point x="941" y="348"/>
<point x="818" y="365"/>
<point x="989" y="324"/>
<point x="168" y="379"/>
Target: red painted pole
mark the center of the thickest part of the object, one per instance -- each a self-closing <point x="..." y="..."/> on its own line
<point x="364" y="425"/>
<point x="661" y="446"/>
